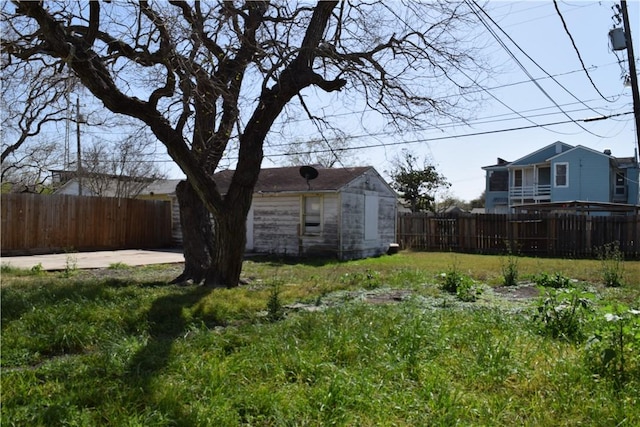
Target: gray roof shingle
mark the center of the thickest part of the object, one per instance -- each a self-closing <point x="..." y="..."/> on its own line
<point x="288" y="179"/>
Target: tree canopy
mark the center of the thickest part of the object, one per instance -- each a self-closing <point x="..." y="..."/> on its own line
<point x="207" y="78"/>
<point x="416" y="183"/>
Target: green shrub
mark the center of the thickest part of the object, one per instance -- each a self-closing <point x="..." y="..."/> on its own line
<point x="118" y="266"/>
<point x="468" y="291"/>
<point x="563" y="313"/>
<point x="510" y="267"/>
<point x="275" y="308"/>
<point x="613" y="351"/>
<point x="612" y="264"/>
<point x="459" y="284"/>
<point x="556" y="280"/>
<point x="37" y="269"/>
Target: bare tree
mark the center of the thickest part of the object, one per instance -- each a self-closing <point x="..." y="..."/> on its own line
<point x="120" y="169"/>
<point x="208" y="76"/>
<point x="324" y="152"/>
<point x="29" y="100"/>
<point x="27" y="168"/>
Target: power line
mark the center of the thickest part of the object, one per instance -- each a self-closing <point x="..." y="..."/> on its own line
<point x="495" y="131"/>
<point x="522" y="67"/>
<point x="507" y="85"/>
<point x="566" y="29"/>
<point x="487" y="120"/>
<point x="415" y="141"/>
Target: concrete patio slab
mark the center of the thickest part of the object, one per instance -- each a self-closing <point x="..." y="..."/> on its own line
<point x="100" y="259"/>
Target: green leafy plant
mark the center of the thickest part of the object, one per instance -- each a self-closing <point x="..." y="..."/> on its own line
<point x="118" y="266"/>
<point x="37" y="269"/>
<point x="510" y="267"/>
<point x="613" y="351"/>
<point x="458" y="283"/>
<point x="563" y="313"/>
<point x="468" y="290"/>
<point x="556" y="280"/>
<point x="275" y="307"/>
<point x="612" y="264"/>
<point x="71" y="264"/>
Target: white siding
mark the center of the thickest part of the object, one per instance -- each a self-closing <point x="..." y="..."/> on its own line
<point x="358" y="211"/>
<point x="357" y="222"/>
<point x="275" y="224"/>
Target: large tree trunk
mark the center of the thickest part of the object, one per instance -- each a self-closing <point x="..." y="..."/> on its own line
<point x="230" y="239"/>
<point x="213" y="252"/>
<point x="197" y="235"/>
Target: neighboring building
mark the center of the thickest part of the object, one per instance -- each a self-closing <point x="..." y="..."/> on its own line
<point x="165" y="189"/>
<point x="344" y="212"/>
<point x="560" y="175"/>
<point x="98" y="184"/>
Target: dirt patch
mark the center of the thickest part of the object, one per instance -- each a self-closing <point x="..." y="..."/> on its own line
<point x="526" y="291"/>
<point x="389" y="297"/>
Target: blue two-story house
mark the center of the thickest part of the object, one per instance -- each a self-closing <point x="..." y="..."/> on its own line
<point x="561" y="174"/>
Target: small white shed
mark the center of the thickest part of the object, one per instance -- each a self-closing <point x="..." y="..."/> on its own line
<point x="345" y="213"/>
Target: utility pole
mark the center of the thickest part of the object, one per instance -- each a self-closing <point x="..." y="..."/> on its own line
<point x="632" y="69"/>
<point x="79" y="165"/>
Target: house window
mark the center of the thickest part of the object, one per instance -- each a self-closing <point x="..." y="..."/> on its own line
<point x="620" y="184"/>
<point x="517" y="178"/>
<point x="498" y="181"/>
<point x="544" y="176"/>
<point x="561" y="175"/>
<point x="312" y="215"/>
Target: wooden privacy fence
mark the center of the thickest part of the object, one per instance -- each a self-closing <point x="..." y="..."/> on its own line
<point x="34" y="223"/>
<point x="548" y="235"/>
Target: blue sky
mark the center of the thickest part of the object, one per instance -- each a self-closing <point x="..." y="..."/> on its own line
<point x="459" y="151"/>
<point x="538" y="31"/>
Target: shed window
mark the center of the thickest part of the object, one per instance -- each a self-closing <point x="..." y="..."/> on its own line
<point x="561" y="175"/>
<point x="312" y="214"/>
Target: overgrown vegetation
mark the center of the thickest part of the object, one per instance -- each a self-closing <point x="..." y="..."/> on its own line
<point x="562" y="313"/>
<point x="555" y="280"/>
<point x="458" y="283"/>
<point x="275" y="308"/>
<point x="510" y="266"/>
<point x="368" y="342"/>
<point x="612" y="261"/>
<point x="613" y="350"/>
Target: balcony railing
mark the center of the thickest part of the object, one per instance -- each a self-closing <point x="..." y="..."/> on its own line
<point x="531" y="192"/>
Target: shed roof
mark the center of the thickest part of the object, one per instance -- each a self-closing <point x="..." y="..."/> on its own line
<point x="162" y="186"/>
<point x="288" y="179"/>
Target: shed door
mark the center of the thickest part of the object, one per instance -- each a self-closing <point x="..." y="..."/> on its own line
<point x="249" y="246"/>
<point x="370" y="216"/>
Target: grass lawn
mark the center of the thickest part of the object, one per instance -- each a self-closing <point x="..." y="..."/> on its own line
<point x="404" y="340"/>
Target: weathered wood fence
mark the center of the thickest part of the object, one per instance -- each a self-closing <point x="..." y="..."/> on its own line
<point x="547" y="235"/>
<point x="36" y="224"/>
